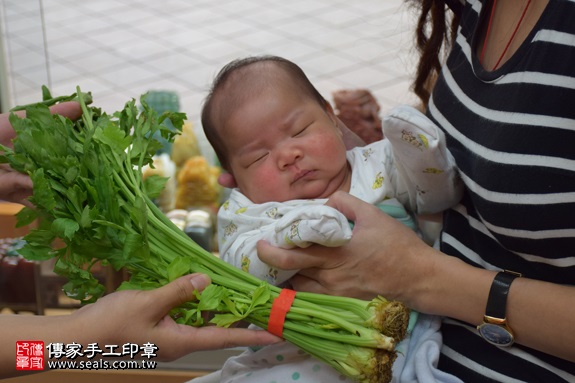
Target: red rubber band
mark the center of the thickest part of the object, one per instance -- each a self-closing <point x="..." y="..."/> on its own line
<point x="280" y="308"/>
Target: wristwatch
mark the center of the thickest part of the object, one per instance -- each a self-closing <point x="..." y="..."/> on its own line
<point x="494" y="328"/>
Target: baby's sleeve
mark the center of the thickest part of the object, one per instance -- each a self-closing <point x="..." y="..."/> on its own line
<point x="240" y="229"/>
<point x="305" y="225"/>
<point x="427" y="180"/>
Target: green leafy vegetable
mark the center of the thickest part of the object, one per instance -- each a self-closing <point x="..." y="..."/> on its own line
<point x="48" y="100"/>
<point x="89" y="192"/>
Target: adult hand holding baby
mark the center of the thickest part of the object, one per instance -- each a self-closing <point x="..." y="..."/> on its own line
<point x="399" y="257"/>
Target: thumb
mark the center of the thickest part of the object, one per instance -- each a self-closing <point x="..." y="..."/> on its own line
<point x="180" y="290"/>
<point x="347" y="204"/>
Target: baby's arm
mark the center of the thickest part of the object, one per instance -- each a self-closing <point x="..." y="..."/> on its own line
<point x="286" y="227"/>
<point x="427" y="179"/>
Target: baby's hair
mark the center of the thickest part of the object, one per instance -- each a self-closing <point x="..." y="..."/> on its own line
<point x="250" y="85"/>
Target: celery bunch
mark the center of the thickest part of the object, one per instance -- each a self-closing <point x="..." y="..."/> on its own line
<point x="89" y="192"/>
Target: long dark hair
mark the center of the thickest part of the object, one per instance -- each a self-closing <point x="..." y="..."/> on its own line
<point x="434" y="36"/>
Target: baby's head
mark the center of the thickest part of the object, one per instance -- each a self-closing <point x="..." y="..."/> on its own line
<point x="273" y="131"/>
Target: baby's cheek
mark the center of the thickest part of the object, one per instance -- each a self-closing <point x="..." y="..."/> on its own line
<point x="330" y="145"/>
<point x="267" y="185"/>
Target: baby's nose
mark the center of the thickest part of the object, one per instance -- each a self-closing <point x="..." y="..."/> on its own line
<point x="288" y="156"/>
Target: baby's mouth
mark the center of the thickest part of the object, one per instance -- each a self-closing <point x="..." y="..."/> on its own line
<point x="302" y="174"/>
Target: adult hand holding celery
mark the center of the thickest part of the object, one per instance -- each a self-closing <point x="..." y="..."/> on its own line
<point x="89" y="192"/>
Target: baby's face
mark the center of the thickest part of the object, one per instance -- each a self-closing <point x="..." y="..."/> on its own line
<point x="283" y="147"/>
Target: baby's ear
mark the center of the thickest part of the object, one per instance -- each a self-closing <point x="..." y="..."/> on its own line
<point x="227" y="180"/>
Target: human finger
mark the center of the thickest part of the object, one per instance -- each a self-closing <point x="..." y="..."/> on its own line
<point x="175" y="340"/>
<point x="6" y="131"/>
<point x="179" y="291"/>
<point x="14" y="186"/>
<point x="178" y="340"/>
<point x="214" y="338"/>
<point x="69" y="109"/>
<point x="288" y="259"/>
<point x="367" y="218"/>
<point x="306" y="280"/>
<point x="350" y="206"/>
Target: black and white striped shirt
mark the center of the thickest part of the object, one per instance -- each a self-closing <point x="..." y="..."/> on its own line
<point x="512" y="133"/>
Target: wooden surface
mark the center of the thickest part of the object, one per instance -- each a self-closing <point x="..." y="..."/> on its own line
<point x="9" y="208"/>
<point x="8" y="228"/>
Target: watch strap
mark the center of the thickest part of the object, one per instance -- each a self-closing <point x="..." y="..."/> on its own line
<point x="497" y="300"/>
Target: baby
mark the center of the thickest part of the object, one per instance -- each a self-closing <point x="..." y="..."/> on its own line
<point x="285" y="148"/>
<point x="279" y="138"/>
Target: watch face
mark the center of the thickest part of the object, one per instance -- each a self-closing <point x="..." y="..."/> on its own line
<point x="496" y="334"/>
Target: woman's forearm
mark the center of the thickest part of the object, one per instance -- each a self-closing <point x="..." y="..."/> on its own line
<point x="49" y="329"/>
<point x="539" y="313"/>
